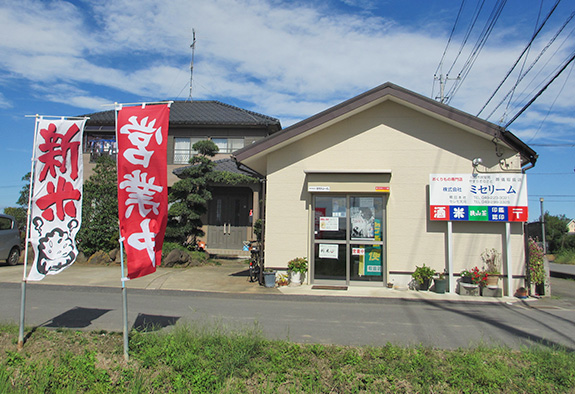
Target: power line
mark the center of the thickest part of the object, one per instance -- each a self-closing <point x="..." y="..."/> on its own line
<point x="521" y="76"/>
<point x="520" y="56"/>
<point x="498" y="8"/>
<point x="541" y="91"/>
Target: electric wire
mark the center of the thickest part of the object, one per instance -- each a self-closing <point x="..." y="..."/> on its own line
<point x="542" y="90"/>
<point x="495" y="14"/>
<point x="520" y="56"/>
<point x="520" y="77"/>
<point x="505" y="112"/>
<point x="440" y="65"/>
<point x="553" y="103"/>
<point x="467" y="34"/>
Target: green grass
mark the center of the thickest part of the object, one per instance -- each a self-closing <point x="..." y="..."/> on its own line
<point x="565" y="256"/>
<point x="215" y="360"/>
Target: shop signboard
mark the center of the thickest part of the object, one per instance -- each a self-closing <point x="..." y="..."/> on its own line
<point x="497" y="197"/>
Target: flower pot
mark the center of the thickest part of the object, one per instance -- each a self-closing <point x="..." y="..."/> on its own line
<point x="440" y="285"/>
<point x="269" y="279"/>
<point x="492" y="280"/>
<point x="295" y="278"/>
<point x="425" y="285"/>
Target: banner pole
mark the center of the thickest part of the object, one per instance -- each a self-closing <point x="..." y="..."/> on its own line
<point x="124" y="302"/>
<point x="121" y="241"/>
<point x="23" y="287"/>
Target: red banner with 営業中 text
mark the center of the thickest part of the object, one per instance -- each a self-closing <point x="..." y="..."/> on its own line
<point x="142" y="184"/>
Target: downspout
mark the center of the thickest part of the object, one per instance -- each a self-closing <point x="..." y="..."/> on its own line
<point x="263" y="184"/>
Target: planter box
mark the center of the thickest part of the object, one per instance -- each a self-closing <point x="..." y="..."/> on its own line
<point x="468" y="289"/>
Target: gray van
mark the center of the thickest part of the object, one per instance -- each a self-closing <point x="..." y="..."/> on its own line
<point x="9" y="240"/>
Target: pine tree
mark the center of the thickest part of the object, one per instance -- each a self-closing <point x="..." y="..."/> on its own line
<point x="190" y="195"/>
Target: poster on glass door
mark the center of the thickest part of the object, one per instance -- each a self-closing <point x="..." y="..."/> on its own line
<point x="363" y="219"/>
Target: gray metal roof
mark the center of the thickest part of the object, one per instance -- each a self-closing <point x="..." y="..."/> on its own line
<point x="198" y="113"/>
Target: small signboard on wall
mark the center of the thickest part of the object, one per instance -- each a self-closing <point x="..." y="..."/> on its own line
<point x="478" y="197"/>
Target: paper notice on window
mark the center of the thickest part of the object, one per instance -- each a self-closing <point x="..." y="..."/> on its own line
<point x="328" y="251"/>
<point x="328" y="223"/>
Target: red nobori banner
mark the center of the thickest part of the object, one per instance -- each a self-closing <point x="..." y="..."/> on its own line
<point x="56" y="206"/>
<point x="142" y="134"/>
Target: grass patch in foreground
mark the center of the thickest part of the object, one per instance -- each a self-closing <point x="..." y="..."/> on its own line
<point x="215" y="360"/>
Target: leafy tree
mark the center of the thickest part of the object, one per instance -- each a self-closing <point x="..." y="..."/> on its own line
<point x="555" y="231"/>
<point x="20" y="212"/>
<point x="190" y="195"/>
<point x="99" y="229"/>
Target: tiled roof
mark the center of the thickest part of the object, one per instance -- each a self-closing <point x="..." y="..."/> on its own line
<point x="199" y="113"/>
<point x="228" y="165"/>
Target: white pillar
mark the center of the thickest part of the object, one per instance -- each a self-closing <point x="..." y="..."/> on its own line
<point x="450" y="256"/>
<point x="508" y="258"/>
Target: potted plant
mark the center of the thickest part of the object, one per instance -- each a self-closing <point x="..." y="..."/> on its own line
<point x="297" y="268"/>
<point x="491" y="263"/>
<point x="536" y="267"/>
<point x="466" y="276"/>
<point x="422" y="275"/>
<point x="471" y="281"/>
<point x="269" y="277"/>
<point x="440" y="283"/>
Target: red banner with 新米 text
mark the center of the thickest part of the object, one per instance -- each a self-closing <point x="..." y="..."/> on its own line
<point x="141" y="134"/>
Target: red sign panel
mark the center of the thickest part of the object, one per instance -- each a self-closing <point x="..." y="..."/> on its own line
<point x="142" y="134"/>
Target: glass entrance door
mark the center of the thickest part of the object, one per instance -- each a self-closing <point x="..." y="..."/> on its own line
<point x="349" y="238"/>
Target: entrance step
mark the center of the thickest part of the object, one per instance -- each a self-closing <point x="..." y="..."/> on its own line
<point x="327" y="287"/>
<point x="228" y="253"/>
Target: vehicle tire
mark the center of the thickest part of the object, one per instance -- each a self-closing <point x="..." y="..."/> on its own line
<point x="13" y="257"/>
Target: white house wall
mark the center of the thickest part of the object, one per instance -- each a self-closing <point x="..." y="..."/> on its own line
<point x="413" y="146"/>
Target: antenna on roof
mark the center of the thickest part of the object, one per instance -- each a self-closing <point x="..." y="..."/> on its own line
<point x="193" y="46"/>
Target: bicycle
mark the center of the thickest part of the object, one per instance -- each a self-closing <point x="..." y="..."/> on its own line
<point x="255" y="262"/>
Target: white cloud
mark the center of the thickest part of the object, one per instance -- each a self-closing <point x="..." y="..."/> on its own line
<point x="288" y="60"/>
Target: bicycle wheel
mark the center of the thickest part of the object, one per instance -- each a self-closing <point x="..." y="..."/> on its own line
<point x="253" y="271"/>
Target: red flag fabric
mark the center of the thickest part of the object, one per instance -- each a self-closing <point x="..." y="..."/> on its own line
<point x="142" y="134"/>
<point x="56" y="209"/>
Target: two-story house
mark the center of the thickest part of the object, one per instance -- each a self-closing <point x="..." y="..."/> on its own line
<point x="233" y="209"/>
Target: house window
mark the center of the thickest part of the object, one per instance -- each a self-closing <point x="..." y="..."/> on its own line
<point x="98" y="146"/>
<point x="228" y="145"/>
<point x="183" y="150"/>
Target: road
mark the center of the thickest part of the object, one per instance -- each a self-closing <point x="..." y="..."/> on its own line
<point x="303" y="319"/>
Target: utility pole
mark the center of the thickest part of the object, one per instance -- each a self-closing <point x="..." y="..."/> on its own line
<point x="442" y="80"/>
<point x="543" y="226"/>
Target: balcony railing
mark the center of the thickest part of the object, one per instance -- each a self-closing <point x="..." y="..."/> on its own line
<point x="99" y="148"/>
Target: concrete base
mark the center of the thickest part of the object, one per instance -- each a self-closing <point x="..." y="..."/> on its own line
<point x="492" y="292"/>
<point x="467" y="289"/>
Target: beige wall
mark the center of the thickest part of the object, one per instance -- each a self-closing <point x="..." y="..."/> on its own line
<point x="392" y="137"/>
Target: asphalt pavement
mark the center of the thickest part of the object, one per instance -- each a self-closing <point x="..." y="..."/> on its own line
<point x="87" y="297"/>
<point x="232" y="277"/>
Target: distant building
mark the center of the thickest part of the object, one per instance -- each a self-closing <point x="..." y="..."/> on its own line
<point x="571" y="226"/>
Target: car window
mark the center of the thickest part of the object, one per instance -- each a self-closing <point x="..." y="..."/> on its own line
<point x="5" y="224"/>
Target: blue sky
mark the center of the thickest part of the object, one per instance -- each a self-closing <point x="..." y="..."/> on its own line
<point x="287" y="59"/>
